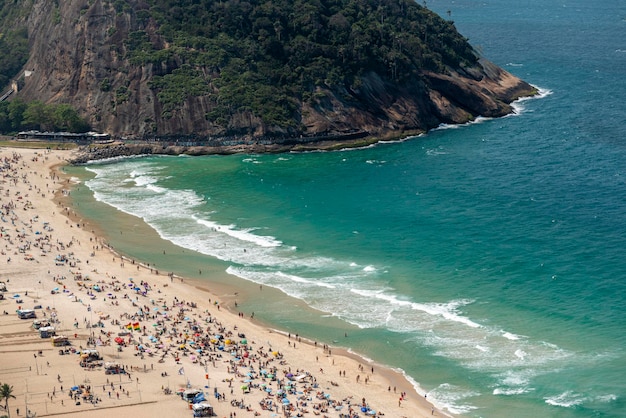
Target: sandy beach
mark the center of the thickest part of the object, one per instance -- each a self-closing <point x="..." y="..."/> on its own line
<point x="139" y="338"/>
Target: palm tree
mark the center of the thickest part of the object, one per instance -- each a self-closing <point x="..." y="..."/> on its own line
<point x="6" y="392"/>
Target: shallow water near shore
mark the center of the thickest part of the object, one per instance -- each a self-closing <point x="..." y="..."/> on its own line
<point x="485" y="261"/>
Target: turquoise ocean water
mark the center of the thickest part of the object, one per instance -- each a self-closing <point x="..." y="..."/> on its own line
<point x="487" y="261"/>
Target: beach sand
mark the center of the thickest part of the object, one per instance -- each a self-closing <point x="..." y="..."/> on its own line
<point x="181" y="332"/>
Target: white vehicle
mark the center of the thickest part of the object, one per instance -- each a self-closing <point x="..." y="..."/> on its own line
<point x="202" y="409"/>
<point x="46" y="332"/>
<point x="26" y="314"/>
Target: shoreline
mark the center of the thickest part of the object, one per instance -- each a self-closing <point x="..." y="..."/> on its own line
<point x="306" y="356"/>
<point x="228" y="301"/>
<point x="118" y="149"/>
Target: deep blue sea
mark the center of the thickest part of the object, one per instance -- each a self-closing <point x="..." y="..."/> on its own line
<point x="486" y="261"/>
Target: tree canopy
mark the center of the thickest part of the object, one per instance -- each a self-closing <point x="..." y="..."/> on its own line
<point x="13" y="55"/>
<point x="6" y="393"/>
<point x="266" y="56"/>
<point x="16" y="115"/>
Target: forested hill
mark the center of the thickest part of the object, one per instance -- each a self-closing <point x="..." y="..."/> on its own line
<point x="260" y="69"/>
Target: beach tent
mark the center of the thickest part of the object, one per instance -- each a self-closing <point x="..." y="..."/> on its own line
<point x="190" y="394"/>
<point x="198" y="398"/>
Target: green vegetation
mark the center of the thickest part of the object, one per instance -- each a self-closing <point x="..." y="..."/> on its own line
<point x="13" y="55"/>
<point x="248" y="58"/>
<point x="181" y="83"/>
<point x="31" y="144"/>
<point x="6" y="393"/>
<point x="266" y="56"/>
<point x="15" y="115"/>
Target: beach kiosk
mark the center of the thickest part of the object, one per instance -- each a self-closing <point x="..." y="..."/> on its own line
<point x="202" y="409"/>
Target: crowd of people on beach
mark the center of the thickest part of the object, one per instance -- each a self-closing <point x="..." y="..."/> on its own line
<point x="144" y="327"/>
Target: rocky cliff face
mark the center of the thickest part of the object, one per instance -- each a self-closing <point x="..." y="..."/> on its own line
<point x="77" y="57"/>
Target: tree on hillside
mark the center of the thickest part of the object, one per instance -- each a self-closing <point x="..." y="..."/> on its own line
<point x="6" y="392"/>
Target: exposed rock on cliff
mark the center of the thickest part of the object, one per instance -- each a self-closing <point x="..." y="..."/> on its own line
<point x="80" y="55"/>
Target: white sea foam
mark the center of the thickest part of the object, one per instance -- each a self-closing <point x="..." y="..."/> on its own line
<point x="510" y="336"/>
<point x="477" y="120"/>
<point x="298" y="279"/>
<point x="156" y="189"/>
<point x="434" y="152"/>
<point x="570" y="399"/>
<point x="440" y="325"/>
<point x="445" y="126"/>
<point x="447" y="311"/>
<point x="115" y="160"/>
<point x="322" y="282"/>
<point x="516" y="378"/>
<point x="143" y="180"/>
<point x="606" y="398"/>
<point x="450" y="398"/>
<point x="510" y="392"/>
<point x="241" y="234"/>
<point x="566" y="399"/>
<point x="518" y="105"/>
